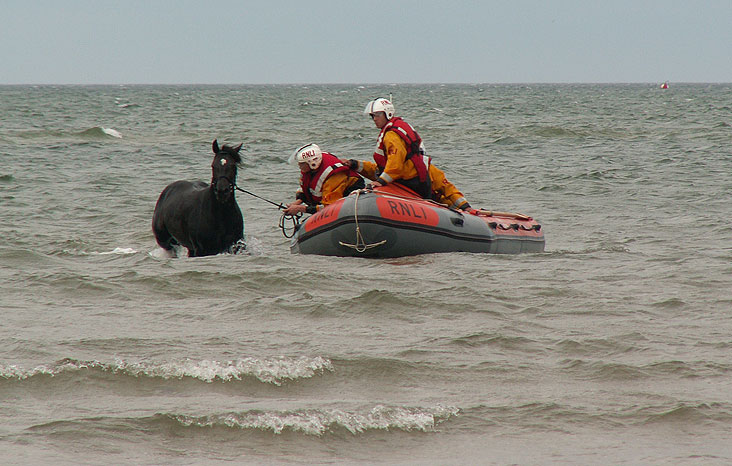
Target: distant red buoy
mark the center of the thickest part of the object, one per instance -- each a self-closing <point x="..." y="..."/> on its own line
<point x="664" y="85"/>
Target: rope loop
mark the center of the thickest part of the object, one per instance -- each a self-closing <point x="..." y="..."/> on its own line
<point x="295" y="219"/>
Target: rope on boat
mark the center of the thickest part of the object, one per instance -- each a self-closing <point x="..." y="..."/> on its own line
<point x="493" y="213"/>
<point x="360" y="245"/>
<point x="479" y="212"/>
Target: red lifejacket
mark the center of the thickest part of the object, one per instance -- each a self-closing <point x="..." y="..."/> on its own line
<point x="311" y="182"/>
<point x="414" y="152"/>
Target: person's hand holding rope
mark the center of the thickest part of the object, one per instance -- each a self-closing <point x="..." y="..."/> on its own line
<point x="295" y="208"/>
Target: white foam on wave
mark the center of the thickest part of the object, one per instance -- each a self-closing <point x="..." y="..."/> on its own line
<point x="18" y="372"/>
<point x="115" y="251"/>
<point x="112" y="132"/>
<point x="120" y="251"/>
<point x="160" y="253"/>
<point x="254" y="246"/>
<point x="250" y="247"/>
<point x="274" y="371"/>
<point x="318" y="422"/>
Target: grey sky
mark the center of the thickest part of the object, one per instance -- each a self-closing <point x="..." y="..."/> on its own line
<point x="330" y="41"/>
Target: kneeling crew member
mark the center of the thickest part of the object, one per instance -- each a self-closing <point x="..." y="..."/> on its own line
<point x="323" y="180"/>
<point x="400" y="157"/>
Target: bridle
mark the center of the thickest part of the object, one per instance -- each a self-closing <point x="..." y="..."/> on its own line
<point x="215" y="181"/>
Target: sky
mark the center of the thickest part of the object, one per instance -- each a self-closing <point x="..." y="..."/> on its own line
<point x="364" y="42"/>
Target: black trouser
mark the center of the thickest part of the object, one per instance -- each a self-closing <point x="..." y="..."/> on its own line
<point x="423" y="188"/>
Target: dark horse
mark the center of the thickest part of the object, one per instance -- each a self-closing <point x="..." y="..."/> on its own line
<point x="204" y="218"/>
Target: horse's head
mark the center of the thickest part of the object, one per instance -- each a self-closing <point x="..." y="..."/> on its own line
<point x="223" y="171"/>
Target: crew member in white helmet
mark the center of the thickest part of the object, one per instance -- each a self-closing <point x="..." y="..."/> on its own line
<point x="400" y="157"/>
<point x="323" y="180"/>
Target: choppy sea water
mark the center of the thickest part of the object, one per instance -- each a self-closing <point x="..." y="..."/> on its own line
<point x="612" y="347"/>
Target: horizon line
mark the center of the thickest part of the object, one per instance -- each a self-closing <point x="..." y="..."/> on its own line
<point x="437" y="83"/>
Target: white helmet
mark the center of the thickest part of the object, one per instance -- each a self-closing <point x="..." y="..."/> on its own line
<point x="380" y="105"/>
<point x="310" y="154"/>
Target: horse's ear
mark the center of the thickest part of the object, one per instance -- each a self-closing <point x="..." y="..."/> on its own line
<point x="238" y="148"/>
<point x="215" y="147"/>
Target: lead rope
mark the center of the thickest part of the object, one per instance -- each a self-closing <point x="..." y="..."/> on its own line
<point x="295" y="219"/>
<point x="360" y="245"/>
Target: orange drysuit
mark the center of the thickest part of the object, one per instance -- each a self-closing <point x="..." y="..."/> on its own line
<point x="398" y="167"/>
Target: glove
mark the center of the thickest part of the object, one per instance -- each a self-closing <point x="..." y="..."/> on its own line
<point x="466" y="207"/>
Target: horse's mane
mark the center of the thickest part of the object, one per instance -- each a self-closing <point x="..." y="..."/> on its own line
<point x="232" y="152"/>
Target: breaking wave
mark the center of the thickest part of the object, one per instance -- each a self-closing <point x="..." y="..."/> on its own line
<point x="319" y="422"/>
<point x="272" y="371"/>
<point x="99" y="132"/>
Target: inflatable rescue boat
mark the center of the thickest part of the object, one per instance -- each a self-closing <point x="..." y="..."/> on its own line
<point x="392" y="221"/>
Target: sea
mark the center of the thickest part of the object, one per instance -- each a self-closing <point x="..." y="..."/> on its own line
<point x="613" y="346"/>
